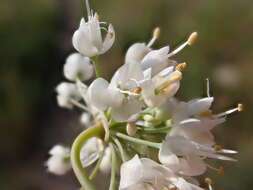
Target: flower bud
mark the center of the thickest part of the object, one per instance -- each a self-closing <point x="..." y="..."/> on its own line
<point x="78" y="67"/>
<point x="59" y="163"/>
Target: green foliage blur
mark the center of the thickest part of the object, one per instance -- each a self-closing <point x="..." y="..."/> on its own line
<point x="35" y="39"/>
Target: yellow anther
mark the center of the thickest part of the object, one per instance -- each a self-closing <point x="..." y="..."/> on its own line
<point x="217" y="148"/>
<point x="181" y="66"/>
<point x="156" y="32"/>
<point x="131" y="129"/>
<point x="208" y="181"/>
<point x="137" y="90"/>
<point x="207" y="113"/>
<point x="240" y="107"/>
<point x="192" y="38"/>
<point x="221" y="170"/>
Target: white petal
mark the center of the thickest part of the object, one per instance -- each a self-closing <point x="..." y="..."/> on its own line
<point x="57" y="165"/>
<point x="127" y="111"/>
<point x="192" y="165"/>
<point x="98" y="93"/>
<point x="105" y="165"/>
<point x="198" y="106"/>
<point x="90" y="151"/>
<point x="59" y="150"/>
<point x="95" y="33"/>
<point x="109" y="39"/>
<point x="136" y="52"/>
<point x="130" y="172"/>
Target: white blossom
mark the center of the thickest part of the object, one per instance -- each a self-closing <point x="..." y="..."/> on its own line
<point x="66" y="93"/>
<point x="88" y="38"/>
<point x="78" y="67"/>
<point x="105" y="165"/>
<point x="59" y="162"/>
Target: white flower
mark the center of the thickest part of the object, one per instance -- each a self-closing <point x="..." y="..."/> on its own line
<point x="59" y="162"/>
<point x="186" y="157"/>
<point x="90" y="151"/>
<point x="145" y="174"/>
<point x="161" y="87"/>
<point x="66" y="93"/>
<point x="78" y="67"/>
<point x="120" y="94"/>
<point x="88" y="38"/>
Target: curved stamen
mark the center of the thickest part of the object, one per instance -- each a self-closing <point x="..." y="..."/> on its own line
<point x="156" y="35"/>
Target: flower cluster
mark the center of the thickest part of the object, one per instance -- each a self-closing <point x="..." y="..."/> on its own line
<point x="140" y="133"/>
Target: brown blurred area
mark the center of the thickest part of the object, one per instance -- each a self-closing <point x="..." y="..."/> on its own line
<point x="35" y="39"/>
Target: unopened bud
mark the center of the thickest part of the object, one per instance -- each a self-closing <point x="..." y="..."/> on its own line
<point x="131" y="129"/>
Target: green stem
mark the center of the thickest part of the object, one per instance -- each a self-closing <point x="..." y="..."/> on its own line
<point x="113" y="169"/>
<point x="81" y="174"/>
<point x="123" y="154"/>
<point x="138" y="141"/>
<point x="96" y="66"/>
<point x="154" y="130"/>
<point x="83" y="8"/>
<point x="95" y="170"/>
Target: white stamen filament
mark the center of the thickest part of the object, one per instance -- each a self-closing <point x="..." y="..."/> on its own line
<point x="208" y="87"/>
<point x="189" y="42"/>
<point x="156" y="35"/>
<point x="239" y="109"/>
<point x="88" y="9"/>
<point x="129" y="93"/>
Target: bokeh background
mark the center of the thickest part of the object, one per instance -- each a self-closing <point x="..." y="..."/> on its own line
<point x="35" y="39"/>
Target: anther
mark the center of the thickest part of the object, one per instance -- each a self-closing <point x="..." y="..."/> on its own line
<point x="173" y="188"/>
<point x="192" y="38"/>
<point x="208" y="181"/>
<point x="218" y="148"/>
<point x="181" y="66"/>
<point x="137" y="90"/>
<point x="240" y="107"/>
<point x="207" y="113"/>
<point x="156" y="32"/>
<point x="221" y="170"/>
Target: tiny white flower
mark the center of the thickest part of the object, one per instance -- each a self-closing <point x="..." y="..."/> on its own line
<point x="66" y="92"/>
<point x="59" y="162"/>
<point x="120" y="94"/>
<point x="186" y="157"/>
<point x="90" y="151"/>
<point x="78" y="67"/>
<point x="88" y="38"/>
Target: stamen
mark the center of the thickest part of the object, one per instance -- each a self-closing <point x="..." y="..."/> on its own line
<point x="181" y="66"/>
<point x="156" y="34"/>
<point x="219" y="170"/>
<point x="208" y="87"/>
<point x="239" y="108"/>
<point x="192" y="39"/>
<point x="137" y="90"/>
<point x="217" y="148"/>
<point x="88" y="8"/>
<point x="189" y="42"/>
<point x="165" y="82"/>
<point x="209" y="182"/>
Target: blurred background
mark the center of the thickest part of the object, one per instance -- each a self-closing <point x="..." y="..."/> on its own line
<point x="36" y="37"/>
